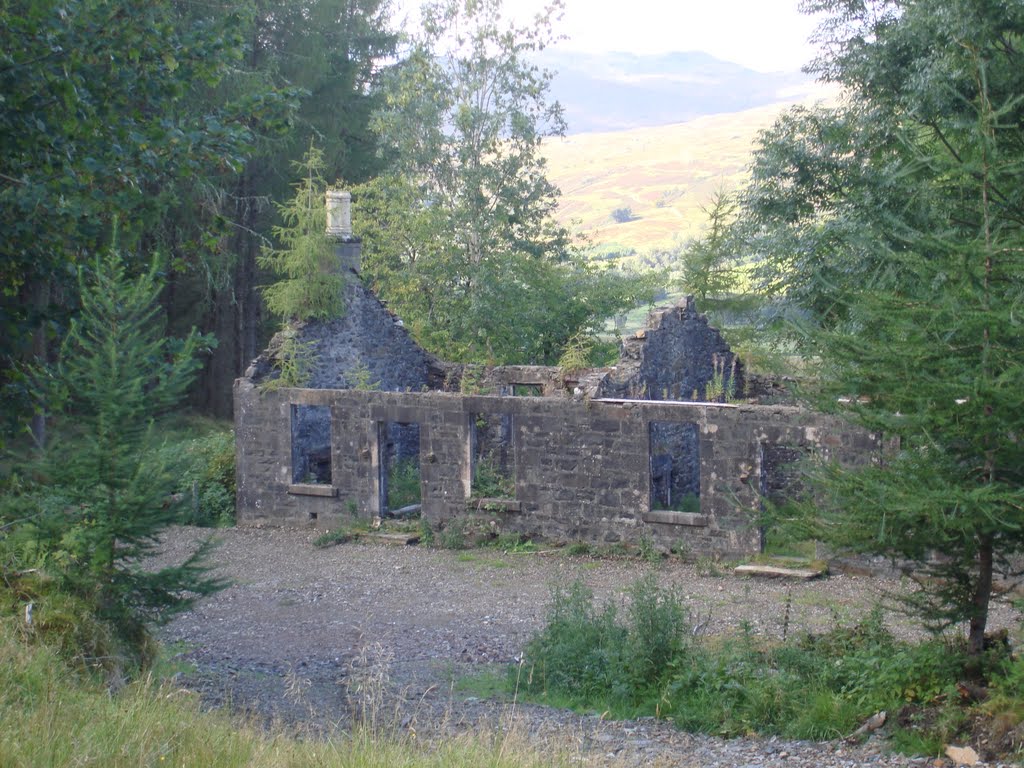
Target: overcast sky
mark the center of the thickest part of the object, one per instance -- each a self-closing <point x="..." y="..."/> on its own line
<point x="766" y="35"/>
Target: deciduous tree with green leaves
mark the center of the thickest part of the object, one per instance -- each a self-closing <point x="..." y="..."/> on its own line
<point x="460" y="237"/>
<point x="118" y="110"/>
<point x="893" y="225"/>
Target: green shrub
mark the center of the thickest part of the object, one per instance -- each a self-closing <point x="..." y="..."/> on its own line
<point x="403" y="484"/>
<point x="579" y="652"/>
<point x="732" y="690"/>
<point x="205" y="471"/>
<point x="586" y="655"/>
<point x="815" y="687"/>
<point x="657" y="632"/>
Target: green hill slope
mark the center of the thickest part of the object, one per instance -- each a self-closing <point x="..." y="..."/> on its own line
<point x="663" y="174"/>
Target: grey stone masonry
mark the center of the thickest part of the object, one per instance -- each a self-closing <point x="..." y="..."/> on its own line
<point x="367" y="347"/>
<point x="582" y="468"/>
<point x="620" y="454"/>
<point x="677" y="357"/>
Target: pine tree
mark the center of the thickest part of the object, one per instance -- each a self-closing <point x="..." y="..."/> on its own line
<point x="311" y="284"/>
<point x="895" y="223"/>
<point x="105" y="495"/>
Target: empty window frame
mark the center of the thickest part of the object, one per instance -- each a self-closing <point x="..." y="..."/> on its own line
<point x="311" y="444"/>
<point x="527" y="390"/>
<point x="675" y="466"/>
<point x="493" y="456"/>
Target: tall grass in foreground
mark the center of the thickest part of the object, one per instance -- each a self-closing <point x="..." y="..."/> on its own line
<point x="53" y="716"/>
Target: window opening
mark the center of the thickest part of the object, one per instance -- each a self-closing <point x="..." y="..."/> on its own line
<point x="675" y="466"/>
<point x="494" y="461"/>
<point x="400" y="485"/>
<point x="311" y="444"/>
<point x="527" y="390"/>
<point x="780" y="484"/>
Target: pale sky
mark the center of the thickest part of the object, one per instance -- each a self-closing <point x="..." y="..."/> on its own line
<point x="766" y="35"/>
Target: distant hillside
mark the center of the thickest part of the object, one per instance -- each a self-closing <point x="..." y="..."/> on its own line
<point x="621" y="91"/>
<point x="662" y="174"/>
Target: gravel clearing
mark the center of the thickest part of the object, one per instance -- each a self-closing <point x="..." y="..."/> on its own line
<point x="313" y="637"/>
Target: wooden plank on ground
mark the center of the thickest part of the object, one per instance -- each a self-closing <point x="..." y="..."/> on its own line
<point x="775" y="572"/>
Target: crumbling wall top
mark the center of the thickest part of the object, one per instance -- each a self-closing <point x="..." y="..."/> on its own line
<point x="678" y="356"/>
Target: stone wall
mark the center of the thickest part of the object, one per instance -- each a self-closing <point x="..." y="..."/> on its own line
<point x="366" y="347"/>
<point x="600" y="455"/>
<point x="583" y="468"/>
<point x="676" y="357"/>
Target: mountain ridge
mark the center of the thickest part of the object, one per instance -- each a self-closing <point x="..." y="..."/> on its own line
<point x="616" y="91"/>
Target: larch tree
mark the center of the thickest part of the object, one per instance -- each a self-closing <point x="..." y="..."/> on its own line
<point x="311" y="284"/>
<point x="892" y="226"/>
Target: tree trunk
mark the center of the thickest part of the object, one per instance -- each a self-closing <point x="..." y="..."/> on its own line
<point x="981" y="598"/>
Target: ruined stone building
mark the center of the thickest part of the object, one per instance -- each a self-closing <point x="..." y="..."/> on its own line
<point x="627" y="453"/>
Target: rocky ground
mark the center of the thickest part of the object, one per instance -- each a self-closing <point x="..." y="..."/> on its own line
<point x="314" y="637"/>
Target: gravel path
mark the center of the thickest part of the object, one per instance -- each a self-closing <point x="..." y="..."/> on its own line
<point x="311" y="637"/>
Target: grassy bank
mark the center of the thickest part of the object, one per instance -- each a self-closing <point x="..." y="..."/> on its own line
<point x="55" y="716"/>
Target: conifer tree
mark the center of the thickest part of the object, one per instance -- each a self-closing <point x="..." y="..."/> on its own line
<point x="709" y="268"/>
<point x="311" y="284"/>
<point x="895" y="224"/>
<point x="105" y="494"/>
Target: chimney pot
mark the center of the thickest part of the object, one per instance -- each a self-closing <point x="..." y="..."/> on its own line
<point x="339" y="214"/>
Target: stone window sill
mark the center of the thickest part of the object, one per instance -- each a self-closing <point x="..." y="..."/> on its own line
<point x="312" y="489"/>
<point x="669" y="517"/>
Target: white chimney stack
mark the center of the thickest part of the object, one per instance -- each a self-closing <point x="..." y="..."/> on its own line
<point x="339" y="214"/>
